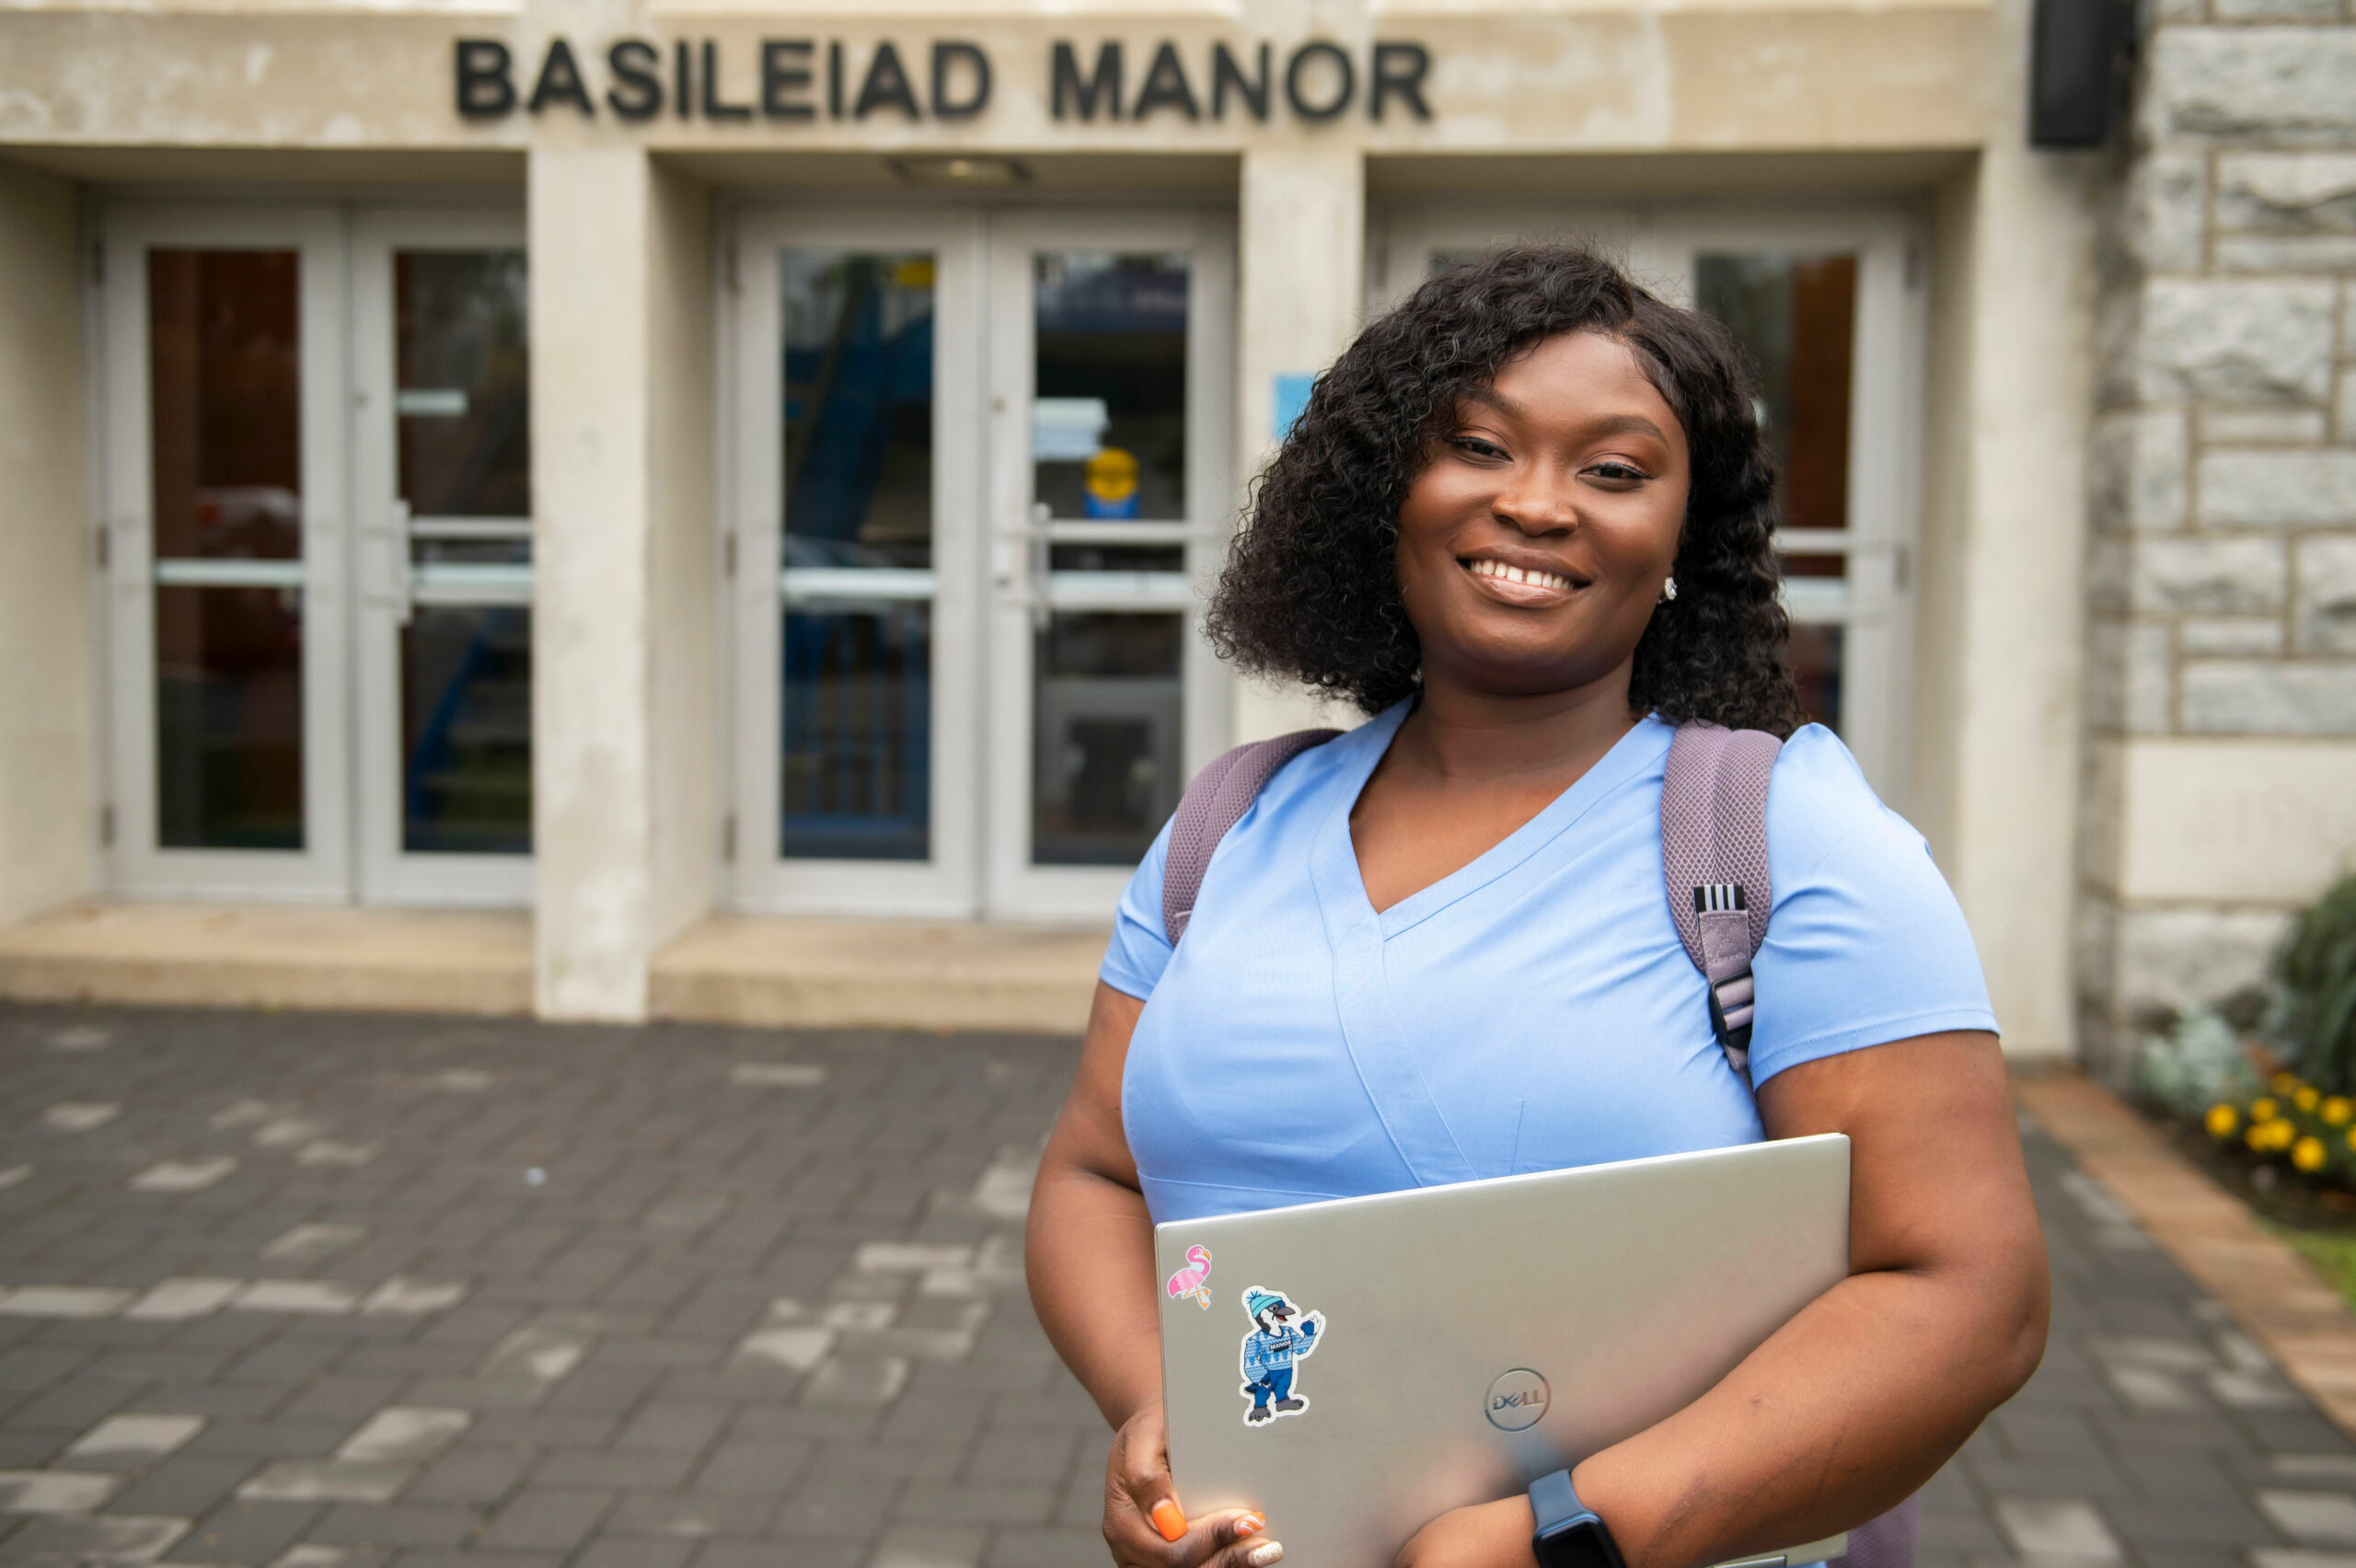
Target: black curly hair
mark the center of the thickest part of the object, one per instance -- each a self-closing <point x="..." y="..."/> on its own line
<point x="1310" y="587"/>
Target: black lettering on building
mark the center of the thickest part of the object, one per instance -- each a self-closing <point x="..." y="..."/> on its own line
<point x="682" y="79"/>
<point x="486" y="78"/>
<point x="1226" y="74"/>
<point x="785" y="76"/>
<point x="1344" y="76"/>
<point x="713" y="108"/>
<point x="1399" y="68"/>
<point x="834" y="79"/>
<point x="637" y="92"/>
<point x="559" y="81"/>
<point x="1102" y="85"/>
<point x="946" y="57"/>
<point x="886" y="86"/>
<point x="1165" y="86"/>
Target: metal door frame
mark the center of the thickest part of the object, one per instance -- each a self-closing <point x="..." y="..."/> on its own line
<point x="947" y="883"/>
<point x="387" y="584"/>
<point x="320" y="871"/>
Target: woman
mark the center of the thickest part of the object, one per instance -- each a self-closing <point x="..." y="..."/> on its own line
<point x="1524" y="522"/>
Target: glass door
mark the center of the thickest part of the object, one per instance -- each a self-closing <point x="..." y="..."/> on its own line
<point x="858" y="495"/>
<point x="1829" y="308"/>
<point x="443" y="498"/>
<point x="1112" y="495"/>
<point x="222" y="492"/>
<point x="1831" y="324"/>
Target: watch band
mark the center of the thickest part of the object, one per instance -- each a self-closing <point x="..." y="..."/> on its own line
<point x="1569" y="1534"/>
<point x="1554" y="1501"/>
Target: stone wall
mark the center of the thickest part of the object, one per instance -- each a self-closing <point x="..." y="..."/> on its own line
<point x="2222" y="577"/>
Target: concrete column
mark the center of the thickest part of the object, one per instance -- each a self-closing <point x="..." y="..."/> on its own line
<point x="1301" y="255"/>
<point x="623" y="613"/>
<point x="48" y="827"/>
<point x="2019" y="620"/>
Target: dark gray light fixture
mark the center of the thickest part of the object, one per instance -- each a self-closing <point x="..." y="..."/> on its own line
<point x="962" y="169"/>
<point x="2074" y="49"/>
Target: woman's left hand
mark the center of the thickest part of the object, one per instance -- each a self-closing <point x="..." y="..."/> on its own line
<point x="1487" y="1535"/>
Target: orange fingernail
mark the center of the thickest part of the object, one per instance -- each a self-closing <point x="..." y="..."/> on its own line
<point x="1249" y="1524"/>
<point x="1169" y="1520"/>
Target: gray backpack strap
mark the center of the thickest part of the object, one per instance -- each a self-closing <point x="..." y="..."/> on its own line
<point x="1713" y="858"/>
<point x="1214" y="802"/>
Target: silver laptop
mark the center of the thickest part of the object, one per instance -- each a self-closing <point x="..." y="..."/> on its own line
<point x="1353" y="1368"/>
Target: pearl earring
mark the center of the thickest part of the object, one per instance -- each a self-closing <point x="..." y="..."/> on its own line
<point x="1669" y="591"/>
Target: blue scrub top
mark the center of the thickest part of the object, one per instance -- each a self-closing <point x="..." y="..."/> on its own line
<point x="1531" y="1011"/>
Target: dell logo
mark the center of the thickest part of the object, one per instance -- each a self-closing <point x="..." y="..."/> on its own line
<point x="1517" y="1401"/>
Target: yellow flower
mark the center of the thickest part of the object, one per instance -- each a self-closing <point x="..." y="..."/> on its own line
<point x="2307" y="1096"/>
<point x="2263" y="1110"/>
<point x="2336" y="1110"/>
<point x="2283" y="1083"/>
<point x="2223" y="1119"/>
<point x="2285" y="1135"/>
<point x="2307" y="1155"/>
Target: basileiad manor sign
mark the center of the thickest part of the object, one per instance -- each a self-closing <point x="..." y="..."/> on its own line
<point x="805" y="79"/>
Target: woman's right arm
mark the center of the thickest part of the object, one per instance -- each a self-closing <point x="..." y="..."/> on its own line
<point x="1088" y="1252"/>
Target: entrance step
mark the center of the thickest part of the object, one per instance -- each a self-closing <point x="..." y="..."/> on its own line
<point x="789" y="974"/>
<point x="261" y="956"/>
<point x="809" y="974"/>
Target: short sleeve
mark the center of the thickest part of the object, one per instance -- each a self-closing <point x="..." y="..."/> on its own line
<point x="1867" y="944"/>
<point x="1139" y="951"/>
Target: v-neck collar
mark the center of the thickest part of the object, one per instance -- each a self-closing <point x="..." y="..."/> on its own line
<point x="1644" y="743"/>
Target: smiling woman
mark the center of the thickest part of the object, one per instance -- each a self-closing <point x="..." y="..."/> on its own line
<point x="1525" y="523"/>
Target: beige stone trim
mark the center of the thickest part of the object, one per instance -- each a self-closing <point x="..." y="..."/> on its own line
<point x="215" y="955"/>
<point x="879" y="975"/>
<point x="2270" y="1289"/>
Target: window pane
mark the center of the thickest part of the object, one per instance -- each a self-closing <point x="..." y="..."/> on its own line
<point x="1108" y="708"/>
<point x="229" y="718"/>
<point x="462" y="381"/>
<point x="225" y="369"/>
<point x="858" y="734"/>
<point x="1108" y="427"/>
<point x="1814" y="655"/>
<point x="857" y="409"/>
<point x="1795" y="318"/>
<point x="466" y="730"/>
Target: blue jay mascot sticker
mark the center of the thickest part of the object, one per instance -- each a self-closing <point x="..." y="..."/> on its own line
<point x="1281" y="1335"/>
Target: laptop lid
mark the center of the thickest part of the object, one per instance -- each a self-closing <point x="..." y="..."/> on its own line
<point x="1354" y="1368"/>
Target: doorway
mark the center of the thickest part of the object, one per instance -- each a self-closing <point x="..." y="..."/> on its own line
<point x="317" y="526"/>
<point x="980" y="485"/>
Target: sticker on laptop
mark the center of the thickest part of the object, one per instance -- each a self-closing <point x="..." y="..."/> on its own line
<point x="1188" y="1281"/>
<point x="1282" y="1335"/>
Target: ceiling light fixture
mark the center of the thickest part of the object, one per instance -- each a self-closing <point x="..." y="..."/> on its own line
<point x="961" y="170"/>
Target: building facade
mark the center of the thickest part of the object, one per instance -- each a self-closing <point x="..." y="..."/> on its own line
<point x="641" y="463"/>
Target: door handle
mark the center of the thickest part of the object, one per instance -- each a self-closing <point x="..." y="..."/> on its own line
<point x="393" y="590"/>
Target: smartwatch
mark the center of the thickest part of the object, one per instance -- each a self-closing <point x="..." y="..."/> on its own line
<point x="1569" y="1533"/>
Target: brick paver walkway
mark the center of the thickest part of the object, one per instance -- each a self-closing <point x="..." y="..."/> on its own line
<point x="330" y="1292"/>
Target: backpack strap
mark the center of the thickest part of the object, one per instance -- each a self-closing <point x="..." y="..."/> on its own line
<point x="1214" y="802"/>
<point x="1713" y="858"/>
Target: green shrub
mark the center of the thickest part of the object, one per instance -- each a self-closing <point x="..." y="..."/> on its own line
<point x="2313" y="1020"/>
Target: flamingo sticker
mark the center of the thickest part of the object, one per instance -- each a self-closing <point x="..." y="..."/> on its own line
<point x="1188" y="1281"/>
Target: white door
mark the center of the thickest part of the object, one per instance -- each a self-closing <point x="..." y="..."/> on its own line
<point x="1829" y="306"/>
<point x="224" y="487"/>
<point x="287" y="390"/>
<point x="857" y="496"/>
<point x="1112" y="495"/>
<point x="979" y="488"/>
<point x="441" y="498"/>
